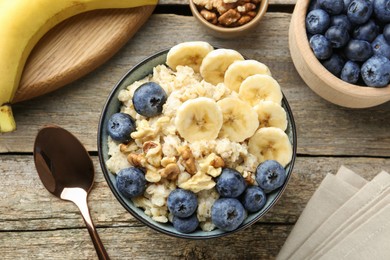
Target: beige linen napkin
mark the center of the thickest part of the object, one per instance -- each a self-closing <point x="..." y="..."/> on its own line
<point x="330" y="195"/>
<point x="369" y="241"/>
<point x="325" y="232"/>
<point x="350" y="225"/>
<point x="351" y="177"/>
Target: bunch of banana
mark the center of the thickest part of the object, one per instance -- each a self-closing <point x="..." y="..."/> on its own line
<point x="23" y="23"/>
<point x="252" y="112"/>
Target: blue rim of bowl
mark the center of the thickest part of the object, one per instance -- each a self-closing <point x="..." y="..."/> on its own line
<point x="112" y="186"/>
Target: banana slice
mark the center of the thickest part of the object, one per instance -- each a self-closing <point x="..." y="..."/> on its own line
<point x="199" y="119"/>
<point x="188" y="54"/>
<point x="216" y="62"/>
<point x="271" y="114"/>
<point x="271" y="143"/>
<point x="240" y="70"/>
<point x="239" y="119"/>
<point x="260" y="87"/>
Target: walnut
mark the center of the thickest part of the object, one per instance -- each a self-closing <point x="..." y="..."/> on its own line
<point x="137" y="160"/>
<point x="229" y="18"/>
<point x="170" y="172"/>
<point x="217" y="162"/>
<point x="128" y="148"/>
<point x="167" y="160"/>
<point x="188" y="159"/>
<point x="148" y="145"/>
<point x="209" y="16"/>
<point x="244" y="19"/>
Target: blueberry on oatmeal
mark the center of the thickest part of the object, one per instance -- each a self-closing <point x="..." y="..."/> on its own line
<point x="182" y="203"/>
<point x="230" y="183"/>
<point x="254" y="199"/>
<point x="131" y="182"/>
<point x="148" y="99"/>
<point x="227" y="214"/>
<point x="270" y="175"/>
<point x="120" y="126"/>
<point x="185" y="225"/>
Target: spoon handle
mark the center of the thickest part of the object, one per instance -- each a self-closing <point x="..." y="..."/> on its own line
<point x="81" y="203"/>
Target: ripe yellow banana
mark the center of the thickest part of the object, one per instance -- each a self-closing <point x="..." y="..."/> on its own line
<point x="23" y="23"/>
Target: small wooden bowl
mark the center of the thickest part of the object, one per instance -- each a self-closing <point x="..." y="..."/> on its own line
<point x="224" y="32"/>
<point x="318" y="78"/>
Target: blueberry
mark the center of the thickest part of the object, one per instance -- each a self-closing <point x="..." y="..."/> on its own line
<point x="332" y="6"/>
<point x="386" y="33"/>
<point x="317" y="21"/>
<point x="350" y="73"/>
<point x="380" y="46"/>
<point x="230" y="183"/>
<point x="367" y="31"/>
<point x="182" y="203"/>
<point x="334" y="64"/>
<point x="321" y="46"/>
<point x="227" y="213"/>
<point x="148" y="99"/>
<point x="314" y="4"/>
<point x="359" y="11"/>
<point x="376" y="71"/>
<point x="358" y="50"/>
<point x="346" y="4"/>
<point x="270" y="175"/>
<point x="340" y="20"/>
<point x="338" y="36"/>
<point x="254" y="199"/>
<point x="382" y="10"/>
<point x="185" y="225"/>
<point x="131" y="182"/>
<point x="120" y="126"/>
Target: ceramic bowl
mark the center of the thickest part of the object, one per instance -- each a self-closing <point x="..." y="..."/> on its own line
<point x="113" y="105"/>
<point x="224" y="32"/>
<point x="318" y="78"/>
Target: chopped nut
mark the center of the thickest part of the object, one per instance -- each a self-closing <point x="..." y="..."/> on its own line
<point x="148" y="145"/>
<point x="199" y="181"/>
<point x="167" y="160"/>
<point x="209" y="16"/>
<point x="252" y="14"/>
<point x="244" y="19"/>
<point x="137" y="160"/>
<point x="246" y="8"/>
<point x="170" y="172"/>
<point x="188" y="159"/>
<point x="249" y="180"/>
<point x="217" y="162"/>
<point x="229" y="18"/>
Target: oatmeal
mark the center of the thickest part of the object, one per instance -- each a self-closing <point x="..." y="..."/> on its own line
<point x="200" y="131"/>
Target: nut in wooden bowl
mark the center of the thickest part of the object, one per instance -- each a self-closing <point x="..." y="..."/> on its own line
<point x="318" y="78"/>
<point x="228" y="18"/>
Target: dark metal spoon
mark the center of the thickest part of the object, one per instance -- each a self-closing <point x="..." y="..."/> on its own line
<point x="66" y="170"/>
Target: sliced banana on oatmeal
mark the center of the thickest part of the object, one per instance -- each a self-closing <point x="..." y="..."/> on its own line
<point x="215" y="64"/>
<point x="188" y="54"/>
<point x="199" y="119"/>
<point x="260" y="87"/>
<point x="238" y="71"/>
<point x="239" y="119"/>
<point x="271" y="143"/>
<point x="271" y="114"/>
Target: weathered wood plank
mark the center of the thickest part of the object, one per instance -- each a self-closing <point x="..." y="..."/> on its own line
<point x="26" y="205"/>
<point x="323" y="128"/>
<point x="183" y="2"/>
<point x="257" y="242"/>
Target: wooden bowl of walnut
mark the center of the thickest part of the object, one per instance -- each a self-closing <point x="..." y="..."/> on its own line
<point x="318" y="78"/>
<point x="228" y="20"/>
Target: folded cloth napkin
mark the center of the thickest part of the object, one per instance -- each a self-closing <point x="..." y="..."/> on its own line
<point x="326" y="222"/>
<point x="317" y="244"/>
<point x="333" y="192"/>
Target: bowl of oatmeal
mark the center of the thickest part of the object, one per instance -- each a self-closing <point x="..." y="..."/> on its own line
<point x="197" y="142"/>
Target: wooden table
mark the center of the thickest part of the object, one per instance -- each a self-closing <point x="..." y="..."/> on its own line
<point x="36" y="225"/>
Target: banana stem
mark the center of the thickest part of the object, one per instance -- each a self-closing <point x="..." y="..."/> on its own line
<point x="7" y="121"/>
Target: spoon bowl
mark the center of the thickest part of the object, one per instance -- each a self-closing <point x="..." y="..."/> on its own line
<point x="66" y="170"/>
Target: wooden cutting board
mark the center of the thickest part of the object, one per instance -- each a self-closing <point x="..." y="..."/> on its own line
<point x="77" y="46"/>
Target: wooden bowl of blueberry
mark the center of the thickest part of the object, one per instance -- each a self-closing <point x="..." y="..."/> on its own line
<point x="341" y="49"/>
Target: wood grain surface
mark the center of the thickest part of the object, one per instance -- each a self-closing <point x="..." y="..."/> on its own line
<point x="33" y="223"/>
<point x="77" y="46"/>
